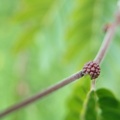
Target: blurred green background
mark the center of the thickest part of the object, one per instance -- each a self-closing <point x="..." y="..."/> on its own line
<point x="44" y="41"/>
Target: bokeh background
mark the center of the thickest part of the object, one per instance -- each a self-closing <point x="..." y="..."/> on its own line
<point x="44" y="41"/>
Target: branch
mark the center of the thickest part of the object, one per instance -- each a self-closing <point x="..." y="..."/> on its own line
<point x="42" y="94"/>
<point x="107" y="39"/>
<point x="105" y="44"/>
<point x="99" y="57"/>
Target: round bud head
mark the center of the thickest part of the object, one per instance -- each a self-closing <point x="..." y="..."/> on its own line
<point x="91" y="68"/>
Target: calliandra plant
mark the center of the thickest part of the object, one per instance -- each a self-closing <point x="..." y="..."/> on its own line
<point x="92" y="97"/>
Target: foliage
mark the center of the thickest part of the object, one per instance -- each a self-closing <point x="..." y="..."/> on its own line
<point x="76" y="103"/>
<point x="43" y="41"/>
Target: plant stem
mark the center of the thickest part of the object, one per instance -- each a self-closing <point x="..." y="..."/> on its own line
<point x="107" y="39"/>
<point x="99" y="57"/>
<point x="106" y="43"/>
<point x="42" y="94"/>
<point x="93" y="84"/>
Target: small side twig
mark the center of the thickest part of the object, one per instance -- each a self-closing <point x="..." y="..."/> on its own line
<point x="98" y="59"/>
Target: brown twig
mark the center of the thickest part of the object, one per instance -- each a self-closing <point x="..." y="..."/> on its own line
<point x="98" y="59"/>
<point x="107" y="39"/>
<point x="105" y="44"/>
<point x="42" y="94"/>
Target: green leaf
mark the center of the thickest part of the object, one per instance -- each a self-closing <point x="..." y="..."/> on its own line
<point x="90" y="110"/>
<point x="109" y="105"/>
<point x="94" y="105"/>
<point x="76" y="102"/>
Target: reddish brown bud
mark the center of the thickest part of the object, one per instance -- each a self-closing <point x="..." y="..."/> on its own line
<point x="92" y="69"/>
